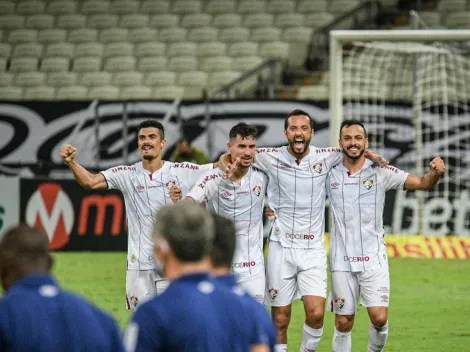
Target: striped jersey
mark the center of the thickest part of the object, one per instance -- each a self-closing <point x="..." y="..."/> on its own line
<point x="296" y="194"/>
<point x="243" y="204"/>
<point x="357" y="204"/>
<point x="144" y="193"/>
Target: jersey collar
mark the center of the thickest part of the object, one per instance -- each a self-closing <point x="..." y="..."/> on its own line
<point x="293" y="160"/>
<point x="366" y="166"/>
<point x="33" y="282"/>
<point x="193" y="277"/>
<point x="228" y="280"/>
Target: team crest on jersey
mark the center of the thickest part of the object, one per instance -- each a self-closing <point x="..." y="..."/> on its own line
<point x="318" y="167"/>
<point x="339" y="302"/>
<point x="257" y="190"/>
<point x="368" y="183"/>
<point x="272" y="293"/>
<point x="134" y="301"/>
<point x="170" y="184"/>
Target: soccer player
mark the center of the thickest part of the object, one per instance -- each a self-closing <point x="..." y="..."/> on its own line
<point x="193" y="314"/>
<point x="296" y="263"/>
<point x="358" y="256"/>
<point x="145" y="186"/>
<point x="221" y="261"/>
<point x="35" y="313"/>
<point x="241" y="199"/>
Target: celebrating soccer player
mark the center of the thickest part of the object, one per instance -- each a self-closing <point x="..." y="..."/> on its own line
<point x="145" y="186"/>
<point x="358" y="257"/>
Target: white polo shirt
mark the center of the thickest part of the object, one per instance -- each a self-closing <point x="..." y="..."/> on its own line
<point x="144" y="193"/>
<point x="296" y="194"/>
<point x="243" y="204"/>
<point x="357" y="204"/>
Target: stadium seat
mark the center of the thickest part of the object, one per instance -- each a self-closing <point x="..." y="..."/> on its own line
<point x="279" y="50"/>
<point x="142" y="35"/>
<point x="94" y="79"/>
<point x="30" y="79"/>
<point x="312" y="6"/>
<point x="451" y="6"/>
<point x="60" y="50"/>
<point x="245" y="63"/>
<point x="118" y="49"/>
<point x="164" y="21"/>
<point x="55" y="64"/>
<point x="430" y="18"/>
<point x="458" y="20"/>
<point x="72" y="92"/>
<point x="192" y="78"/>
<point x="227" y="20"/>
<point x="110" y="35"/>
<point x="219" y="79"/>
<point x="120" y="64"/>
<point x="152" y="63"/>
<point x="39" y="21"/>
<point x="203" y="34"/>
<point x="150" y="49"/>
<point x="220" y="6"/>
<point x="90" y="7"/>
<point x="298" y="39"/>
<point x="167" y="93"/>
<point x="182" y="49"/>
<point x="9" y="22"/>
<point x="243" y="49"/>
<point x="258" y="20"/>
<point x="62" y="7"/>
<point x="48" y="36"/>
<point x="268" y="34"/>
<point x="11" y="93"/>
<point x="102" y="21"/>
<point x="7" y="7"/>
<point x="211" y="49"/>
<point x="1" y="35"/>
<point x="71" y="21"/>
<point x="124" y="7"/>
<point x="250" y="6"/>
<point x="136" y="92"/>
<point x="39" y="93"/>
<point x="28" y="50"/>
<point x="86" y="64"/>
<point x="5" y="50"/>
<point x="317" y="20"/>
<point x="162" y="78"/>
<point x="103" y="92"/>
<point x="6" y="79"/>
<point x="124" y="79"/>
<point x="82" y="35"/>
<point x="23" y="64"/>
<point x="3" y="64"/>
<point x="154" y="6"/>
<point x="194" y="20"/>
<point x="182" y="63"/>
<point x="30" y="7"/>
<point x="61" y="79"/>
<point x="234" y="34"/>
<point x="337" y="7"/>
<point x="89" y="50"/>
<point x="17" y="36"/>
<point x="286" y="20"/>
<point x="134" y="20"/>
<point x="216" y="63"/>
<point x="297" y="34"/>
<point x="280" y="6"/>
<point x="171" y="35"/>
<point x="185" y="6"/>
<point x="319" y="92"/>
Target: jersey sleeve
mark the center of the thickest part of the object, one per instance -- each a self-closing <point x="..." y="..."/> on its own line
<point x="263" y="158"/>
<point x="199" y="190"/>
<point x="189" y="173"/>
<point x="335" y="156"/>
<point x="115" y="177"/>
<point x="144" y="332"/>
<point x="392" y="178"/>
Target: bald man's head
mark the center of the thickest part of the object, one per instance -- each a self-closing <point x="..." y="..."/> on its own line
<point x="24" y="251"/>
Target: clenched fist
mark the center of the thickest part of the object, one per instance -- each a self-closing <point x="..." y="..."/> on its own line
<point x="438" y="166"/>
<point x="68" y="153"/>
<point x="175" y="194"/>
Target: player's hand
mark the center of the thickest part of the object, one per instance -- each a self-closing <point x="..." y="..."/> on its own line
<point x="376" y="158"/>
<point x="438" y="166"/>
<point x="68" y="153"/>
<point x="269" y="214"/>
<point x="230" y="169"/>
<point x="175" y="194"/>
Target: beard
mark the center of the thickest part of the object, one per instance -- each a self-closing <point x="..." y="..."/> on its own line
<point x="305" y="146"/>
<point x="354" y="157"/>
<point x="149" y="157"/>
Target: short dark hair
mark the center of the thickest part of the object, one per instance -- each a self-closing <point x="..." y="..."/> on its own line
<point x="298" y="112"/>
<point x="152" y="123"/>
<point x="352" y="122"/>
<point x="224" y="242"/>
<point x="243" y="130"/>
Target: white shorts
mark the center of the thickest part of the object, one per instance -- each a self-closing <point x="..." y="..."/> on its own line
<point x="254" y="285"/>
<point x="292" y="273"/>
<point x="140" y="286"/>
<point x="371" y="286"/>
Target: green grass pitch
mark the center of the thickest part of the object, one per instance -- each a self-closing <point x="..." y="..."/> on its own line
<point x="430" y="301"/>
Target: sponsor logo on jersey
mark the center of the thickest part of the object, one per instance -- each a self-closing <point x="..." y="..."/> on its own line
<point x="339" y="302"/>
<point x="384" y="298"/>
<point x="207" y="179"/>
<point x="244" y="264"/>
<point x="123" y="168"/>
<point x="170" y="184"/>
<point x="273" y="293"/>
<point x="186" y="166"/>
<point x="257" y="190"/>
<point x="300" y="236"/>
<point x="266" y="150"/>
<point x="368" y="183"/>
<point x="318" y="167"/>
<point x="335" y="185"/>
<point x="356" y="259"/>
<point x="328" y="150"/>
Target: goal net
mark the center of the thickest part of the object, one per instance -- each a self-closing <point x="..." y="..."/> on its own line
<point x="413" y="97"/>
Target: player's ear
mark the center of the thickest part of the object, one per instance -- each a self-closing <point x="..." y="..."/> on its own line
<point x="163" y="143"/>
<point x="367" y="143"/>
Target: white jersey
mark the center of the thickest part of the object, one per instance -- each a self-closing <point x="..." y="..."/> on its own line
<point x="243" y="204"/>
<point x="357" y="203"/>
<point x="296" y="194"/>
<point x="144" y="193"/>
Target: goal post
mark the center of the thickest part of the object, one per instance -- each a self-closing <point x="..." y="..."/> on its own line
<point x="411" y="88"/>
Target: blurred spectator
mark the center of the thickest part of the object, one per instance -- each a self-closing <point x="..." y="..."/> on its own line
<point x="35" y="313"/>
<point x="186" y="153"/>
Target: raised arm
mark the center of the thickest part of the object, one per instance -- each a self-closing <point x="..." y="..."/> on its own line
<point x="429" y="180"/>
<point x="84" y="178"/>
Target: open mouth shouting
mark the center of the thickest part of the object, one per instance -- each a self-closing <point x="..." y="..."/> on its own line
<point x="147" y="147"/>
<point x="299" y="144"/>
